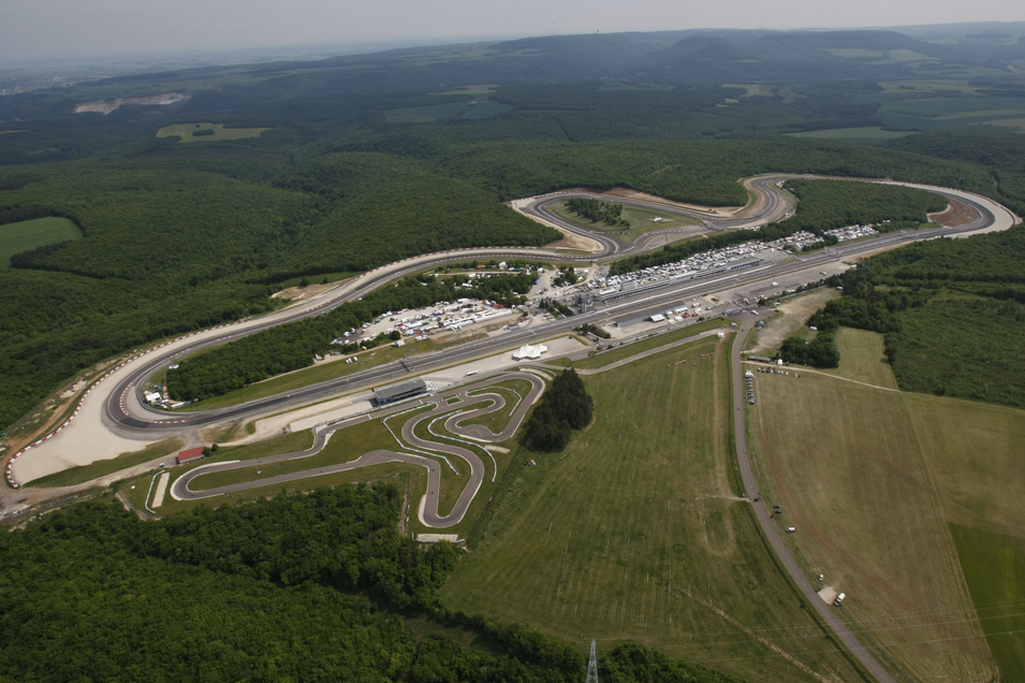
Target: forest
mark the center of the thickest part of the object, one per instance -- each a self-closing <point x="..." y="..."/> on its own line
<point x="565" y="407"/>
<point x="952" y="312"/>
<point x="311" y="587"/>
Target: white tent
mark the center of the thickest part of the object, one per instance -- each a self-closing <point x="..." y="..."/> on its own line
<point x="529" y="352"/>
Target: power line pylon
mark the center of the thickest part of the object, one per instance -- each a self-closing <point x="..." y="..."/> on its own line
<point x="592" y="666"/>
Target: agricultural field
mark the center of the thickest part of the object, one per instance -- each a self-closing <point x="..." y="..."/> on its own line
<point x="635" y="533"/>
<point x="942" y="112"/>
<point x="642" y="221"/>
<point x="38" y="232"/>
<point x="468" y="110"/>
<point x="864" y="134"/>
<point x="198" y="132"/>
<point x="873" y="484"/>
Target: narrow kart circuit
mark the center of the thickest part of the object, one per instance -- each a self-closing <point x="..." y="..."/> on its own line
<point x="452" y="410"/>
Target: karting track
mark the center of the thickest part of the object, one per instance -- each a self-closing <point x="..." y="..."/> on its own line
<point x="123" y="411"/>
<point x="452" y="408"/>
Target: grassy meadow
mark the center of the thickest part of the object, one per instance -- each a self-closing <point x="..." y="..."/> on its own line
<point x="873" y="479"/>
<point x="635" y="532"/>
<point x="197" y="132"/>
<point x="39" y="232"/>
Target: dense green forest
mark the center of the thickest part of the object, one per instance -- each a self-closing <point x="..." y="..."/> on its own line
<point x="313" y="587"/>
<point x="952" y="311"/>
<point x="566" y="406"/>
<point x="598" y="211"/>
<point x="825" y="205"/>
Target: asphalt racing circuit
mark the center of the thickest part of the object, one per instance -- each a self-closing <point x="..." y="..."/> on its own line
<point x="115" y="399"/>
<point x="453" y="409"/>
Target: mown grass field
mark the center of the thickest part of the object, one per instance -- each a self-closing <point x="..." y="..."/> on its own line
<point x="656" y="340"/>
<point x="872" y="479"/>
<point x="862" y="358"/>
<point x="24" y="235"/>
<point x="994" y="565"/>
<point x="869" y="134"/>
<point x="484" y="109"/>
<point x="186" y="132"/>
<point x="635" y="533"/>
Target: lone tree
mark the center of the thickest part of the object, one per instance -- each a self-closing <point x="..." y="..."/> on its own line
<point x="565" y="407"/>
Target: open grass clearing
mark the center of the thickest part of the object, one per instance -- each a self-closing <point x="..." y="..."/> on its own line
<point x="656" y="340"/>
<point x="865" y="133"/>
<point x="84" y="473"/>
<point x="927" y="86"/>
<point x="197" y="132"/>
<point x="38" y="232"/>
<point x="862" y="358"/>
<point x="467" y="110"/>
<point x="994" y="565"/>
<point x="1018" y="123"/>
<point x="469" y="90"/>
<point x="642" y="221"/>
<point x="635" y="532"/>
<point x="849" y="467"/>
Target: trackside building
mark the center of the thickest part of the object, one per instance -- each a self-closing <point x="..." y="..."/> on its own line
<point x="189" y="455"/>
<point x="400" y="391"/>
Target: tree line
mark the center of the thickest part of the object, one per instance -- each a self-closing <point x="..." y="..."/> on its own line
<point x="952" y="313"/>
<point x="293" y="346"/>
<point x="564" y="407"/>
<point x="598" y="211"/>
<point x="304" y="587"/>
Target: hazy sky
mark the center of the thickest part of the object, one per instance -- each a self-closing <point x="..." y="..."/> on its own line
<point x="31" y="29"/>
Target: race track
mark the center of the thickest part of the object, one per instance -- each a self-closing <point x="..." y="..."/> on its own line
<point x="452" y="407"/>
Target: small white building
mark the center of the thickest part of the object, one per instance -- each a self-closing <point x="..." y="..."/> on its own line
<point x="152" y="396"/>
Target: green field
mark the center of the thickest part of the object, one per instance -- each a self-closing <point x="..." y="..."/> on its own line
<point x="641" y="221"/>
<point x="994" y="565"/>
<point x="862" y="358"/>
<point x="868" y="133"/>
<point x="477" y="109"/>
<point x="187" y="132"/>
<point x="469" y="90"/>
<point x="635" y="533"/>
<point x="872" y="483"/>
<point x="25" y="235"/>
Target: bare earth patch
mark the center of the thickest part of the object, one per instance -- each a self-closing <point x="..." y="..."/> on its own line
<point x="107" y="106"/>
<point x="294" y="294"/>
<point x="790" y="316"/>
<point x="956" y="213"/>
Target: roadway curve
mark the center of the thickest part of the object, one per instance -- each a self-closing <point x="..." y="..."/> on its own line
<point x="450" y="406"/>
<point x="124" y="412"/>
